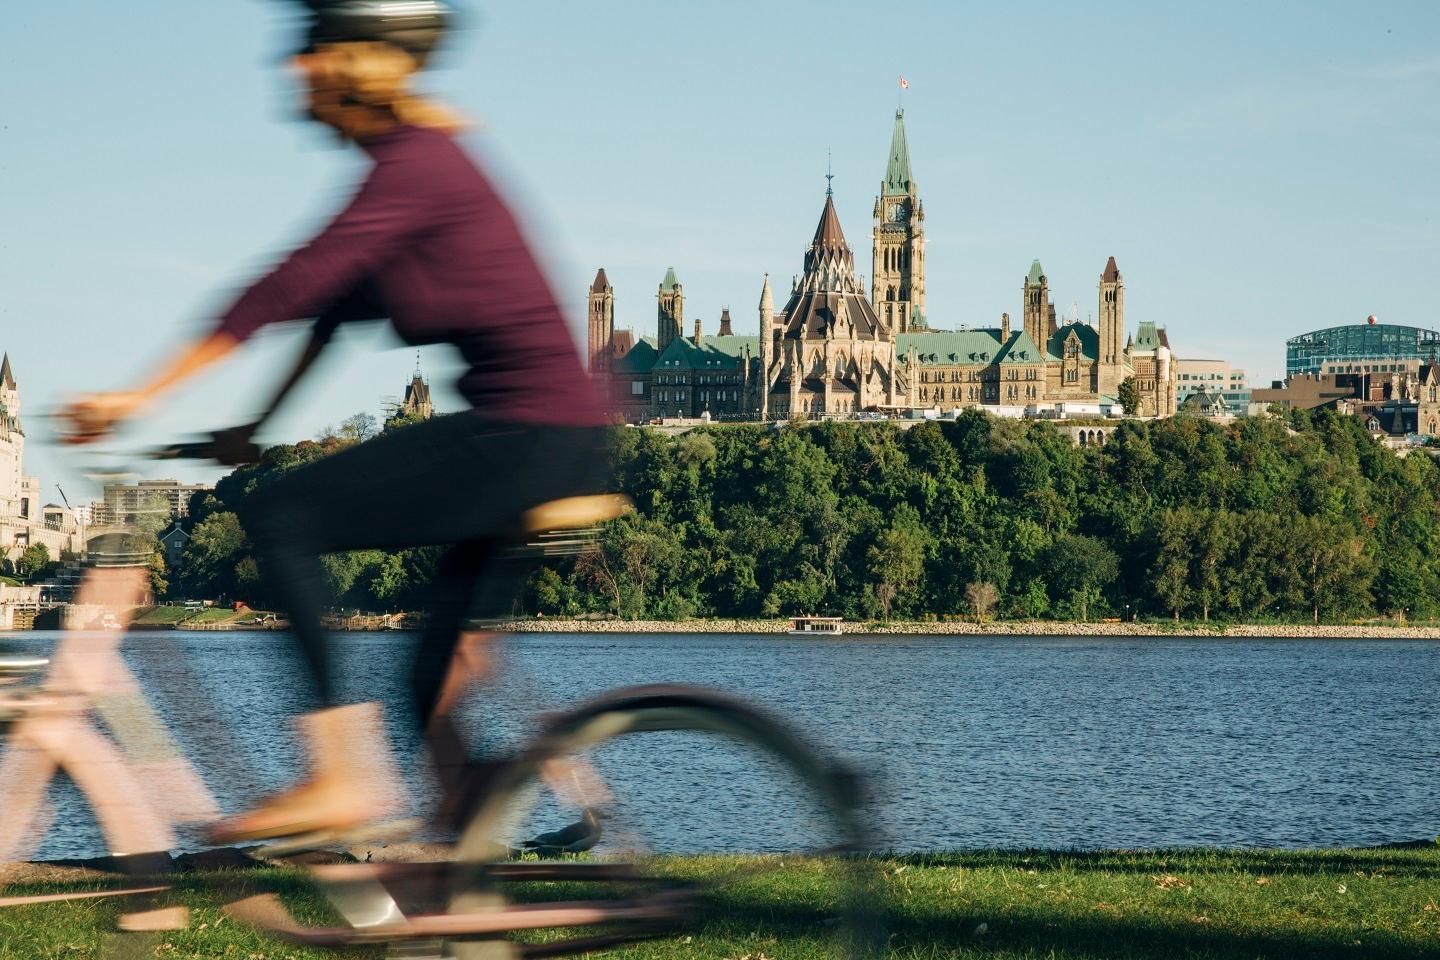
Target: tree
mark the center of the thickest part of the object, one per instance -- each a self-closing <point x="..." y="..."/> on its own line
<point x="214" y="557"/>
<point x="897" y="561"/>
<point x="159" y="581"/>
<point x="34" y="561"/>
<point x="1129" y="397"/>
<point x="983" y="597"/>
<point x="358" y="428"/>
<point x="1079" y="568"/>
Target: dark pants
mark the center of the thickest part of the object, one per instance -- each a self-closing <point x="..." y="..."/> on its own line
<point x="458" y="480"/>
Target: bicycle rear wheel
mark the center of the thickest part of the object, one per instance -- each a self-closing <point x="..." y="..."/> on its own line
<point x="711" y="820"/>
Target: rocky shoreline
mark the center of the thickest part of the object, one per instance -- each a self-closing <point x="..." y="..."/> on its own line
<point x="1037" y="628"/>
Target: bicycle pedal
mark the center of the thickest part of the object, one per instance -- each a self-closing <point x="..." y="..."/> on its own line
<point x="325" y="839"/>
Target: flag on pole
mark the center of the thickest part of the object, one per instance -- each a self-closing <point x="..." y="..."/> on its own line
<point x="904" y="84"/>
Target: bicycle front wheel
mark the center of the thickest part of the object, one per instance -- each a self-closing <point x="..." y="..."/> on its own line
<point x="677" y="813"/>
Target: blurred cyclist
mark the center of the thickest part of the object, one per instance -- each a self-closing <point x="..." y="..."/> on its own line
<point x="428" y="244"/>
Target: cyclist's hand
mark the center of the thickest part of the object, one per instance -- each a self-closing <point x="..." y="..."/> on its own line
<point x="94" y="416"/>
<point x="235" y="447"/>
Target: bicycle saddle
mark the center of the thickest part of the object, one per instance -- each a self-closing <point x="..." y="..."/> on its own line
<point x="571" y="513"/>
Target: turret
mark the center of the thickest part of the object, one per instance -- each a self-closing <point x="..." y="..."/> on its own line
<point x="671" y="312"/>
<point x="897" y="288"/>
<point x="601" y="323"/>
<point x="1112" y="327"/>
<point x="767" y="346"/>
<point x="1037" y="306"/>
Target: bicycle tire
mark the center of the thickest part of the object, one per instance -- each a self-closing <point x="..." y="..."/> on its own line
<point x="854" y="924"/>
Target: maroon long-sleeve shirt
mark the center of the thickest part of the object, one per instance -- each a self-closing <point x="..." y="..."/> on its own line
<point x="429" y="245"/>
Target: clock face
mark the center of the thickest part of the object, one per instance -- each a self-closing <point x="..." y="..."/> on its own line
<point x="897" y="212"/>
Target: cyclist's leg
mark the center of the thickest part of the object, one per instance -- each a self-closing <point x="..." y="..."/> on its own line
<point x="447" y="480"/>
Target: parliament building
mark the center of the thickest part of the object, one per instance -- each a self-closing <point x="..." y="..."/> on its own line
<point x="835" y="350"/>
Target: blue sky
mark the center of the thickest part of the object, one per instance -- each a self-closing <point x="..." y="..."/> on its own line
<point x="1257" y="169"/>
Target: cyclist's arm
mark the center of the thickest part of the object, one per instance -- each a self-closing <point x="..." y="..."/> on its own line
<point x="391" y="207"/>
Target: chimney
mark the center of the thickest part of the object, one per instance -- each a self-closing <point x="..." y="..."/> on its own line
<point x="1005" y="327"/>
<point x="697" y="331"/>
<point x="725" y="330"/>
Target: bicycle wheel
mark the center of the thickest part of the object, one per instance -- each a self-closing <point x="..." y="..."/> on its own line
<point x="690" y="814"/>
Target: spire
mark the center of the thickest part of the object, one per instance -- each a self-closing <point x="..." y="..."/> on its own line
<point x="1112" y="272"/>
<point x="1037" y="272"/>
<point x="602" y="282"/>
<point x="828" y="233"/>
<point x="898" y="181"/>
<point x="670" y="282"/>
<point x="767" y="299"/>
<point x="7" y="379"/>
<point x="829" y="263"/>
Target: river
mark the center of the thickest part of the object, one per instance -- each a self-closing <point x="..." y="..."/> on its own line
<point x="969" y="741"/>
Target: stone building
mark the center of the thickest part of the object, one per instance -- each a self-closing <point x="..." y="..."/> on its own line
<point x="833" y="350"/>
<point x="24" y="519"/>
<point x="827" y="351"/>
<point x="417" y="404"/>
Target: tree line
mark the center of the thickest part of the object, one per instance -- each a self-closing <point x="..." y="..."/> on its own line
<point x="1304" y="518"/>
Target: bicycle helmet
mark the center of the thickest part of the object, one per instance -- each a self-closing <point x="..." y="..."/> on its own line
<point x="415" y="26"/>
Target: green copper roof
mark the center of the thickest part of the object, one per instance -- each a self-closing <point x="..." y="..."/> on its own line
<point x="640" y="359"/>
<point x="1021" y="349"/>
<point x="1037" y="273"/>
<point x="1089" y="341"/>
<point x="951" y="348"/>
<point x="897" y="173"/>
<point x="1147" y="338"/>
<point x="670" y="282"/>
<point x="714" y="353"/>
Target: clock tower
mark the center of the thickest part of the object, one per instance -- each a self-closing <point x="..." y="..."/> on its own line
<point x="897" y="286"/>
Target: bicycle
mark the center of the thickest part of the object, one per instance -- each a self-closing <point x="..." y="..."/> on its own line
<point x="490" y="901"/>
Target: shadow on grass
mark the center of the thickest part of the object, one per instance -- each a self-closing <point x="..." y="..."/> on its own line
<point x="1411" y="861"/>
<point x="1037" y="934"/>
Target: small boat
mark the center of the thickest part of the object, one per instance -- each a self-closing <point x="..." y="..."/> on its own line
<point x="824" y="626"/>
<point x="111" y="622"/>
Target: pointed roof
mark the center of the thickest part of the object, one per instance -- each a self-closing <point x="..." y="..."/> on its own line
<point x="1112" y="272"/>
<point x="829" y="263"/>
<point x="828" y="232"/>
<point x="767" y="299"/>
<point x="670" y="282"/>
<point x="898" y="181"/>
<point x="602" y="282"/>
<point x="7" y="379"/>
<point x="1037" y="273"/>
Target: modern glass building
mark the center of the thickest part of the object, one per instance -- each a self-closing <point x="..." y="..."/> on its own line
<point x="1375" y="342"/>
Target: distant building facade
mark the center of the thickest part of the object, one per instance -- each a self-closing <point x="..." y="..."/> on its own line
<point x="25" y="520"/>
<point x="1213" y="377"/>
<point x="1371" y="343"/>
<point x="834" y="349"/>
<point x="165" y="499"/>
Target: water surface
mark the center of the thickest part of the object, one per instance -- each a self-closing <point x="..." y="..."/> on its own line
<point x="972" y="741"/>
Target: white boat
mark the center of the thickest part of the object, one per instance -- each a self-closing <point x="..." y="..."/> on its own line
<point x="824" y="626"/>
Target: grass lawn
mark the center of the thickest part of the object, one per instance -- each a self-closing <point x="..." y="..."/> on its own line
<point x="160" y="616"/>
<point x="1065" y="906"/>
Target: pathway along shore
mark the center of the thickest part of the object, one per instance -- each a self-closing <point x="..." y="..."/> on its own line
<point x="1003" y="628"/>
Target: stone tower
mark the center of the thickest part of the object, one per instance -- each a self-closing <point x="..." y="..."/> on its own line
<point x="1112" y="328"/>
<point x="898" y="279"/>
<point x="1037" y="311"/>
<point x="12" y="447"/>
<point x="602" y="323"/>
<point x="767" y="347"/>
<point x="725" y="328"/>
<point x="672" y="311"/>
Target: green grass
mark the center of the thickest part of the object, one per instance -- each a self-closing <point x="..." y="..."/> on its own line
<point x="161" y="616"/>
<point x="1057" y="906"/>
